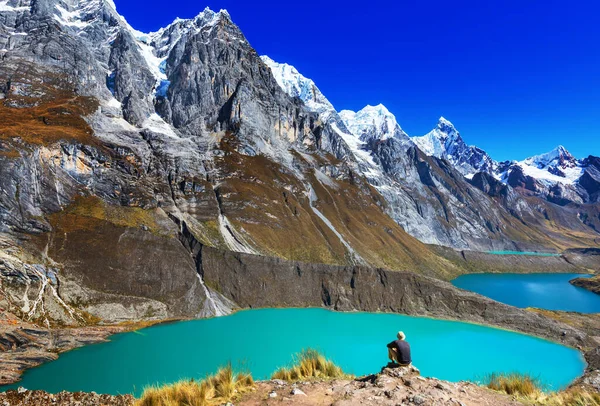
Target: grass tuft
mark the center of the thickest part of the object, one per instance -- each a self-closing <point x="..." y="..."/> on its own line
<point x="216" y="389"/>
<point x="528" y="390"/>
<point x="310" y="364"/>
<point x="514" y="384"/>
<point x="573" y="397"/>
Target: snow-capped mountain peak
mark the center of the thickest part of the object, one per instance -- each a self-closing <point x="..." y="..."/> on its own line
<point x="442" y="141"/>
<point x="297" y="85"/>
<point x="445" y="142"/>
<point x="372" y="123"/>
<point x="559" y="156"/>
<point x="444" y="124"/>
<point x="551" y="168"/>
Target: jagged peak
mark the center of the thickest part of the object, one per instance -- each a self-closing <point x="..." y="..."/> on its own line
<point x="445" y="123"/>
<point x="439" y="140"/>
<point x="283" y="66"/>
<point x="209" y="16"/>
<point x="559" y="154"/>
<point x="206" y="17"/>
<point x="380" y="108"/>
<point x="370" y="118"/>
<point x="444" y="141"/>
<point x="446" y="126"/>
<point x="296" y="84"/>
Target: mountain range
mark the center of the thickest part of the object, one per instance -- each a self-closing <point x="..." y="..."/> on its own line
<point x="123" y="153"/>
<point x="553" y="170"/>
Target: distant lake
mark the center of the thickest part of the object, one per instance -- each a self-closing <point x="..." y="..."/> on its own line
<point x="525" y="253"/>
<point x="263" y="340"/>
<point x="545" y="291"/>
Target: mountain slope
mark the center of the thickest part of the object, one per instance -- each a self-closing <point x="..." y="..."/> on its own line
<point x="429" y="196"/>
<point x="127" y="152"/>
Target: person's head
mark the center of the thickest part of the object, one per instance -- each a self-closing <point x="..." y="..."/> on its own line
<point x="401" y="335"/>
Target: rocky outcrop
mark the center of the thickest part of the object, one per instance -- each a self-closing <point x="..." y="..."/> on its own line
<point x="392" y="386"/>
<point x="586" y="258"/>
<point x="40" y="398"/>
<point x="591" y="284"/>
<point x="589" y="182"/>
<point x="25" y="345"/>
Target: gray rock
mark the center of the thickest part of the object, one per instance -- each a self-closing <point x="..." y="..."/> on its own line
<point x="296" y="391"/>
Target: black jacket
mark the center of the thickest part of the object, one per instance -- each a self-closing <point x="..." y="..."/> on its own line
<point x="403" y="349"/>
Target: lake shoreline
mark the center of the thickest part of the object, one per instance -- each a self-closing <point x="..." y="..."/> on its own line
<point x="252" y="281"/>
<point x="74" y="338"/>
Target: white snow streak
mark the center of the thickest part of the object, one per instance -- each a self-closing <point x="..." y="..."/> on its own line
<point x="213" y="306"/>
<point x="233" y="240"/>
<point x="354" y="256"/>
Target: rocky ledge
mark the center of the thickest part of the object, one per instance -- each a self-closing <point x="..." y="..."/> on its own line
<point x="393" y="386"/>
<point x="592" y="284"/>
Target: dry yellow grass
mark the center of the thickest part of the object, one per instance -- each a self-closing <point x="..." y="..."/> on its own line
<point x="50" y="113"/>
<point x="217" y="389"/>
<point x="527" y="390"/>
<point x="85" y="213"/>
<point x="310" y="364"/>
<point x="514" y="384"/>
<point x="572" y="397"/>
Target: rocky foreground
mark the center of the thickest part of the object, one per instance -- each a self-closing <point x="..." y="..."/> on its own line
<point x="398" y="386"/>
<point x="41" y="398"/>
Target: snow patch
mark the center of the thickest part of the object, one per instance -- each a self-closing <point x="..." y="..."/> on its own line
<point x="296" y="85"/>
<point x="356" y="146"/>
<point x="372" y="121"/>
<point x="325" y="180"/>
<point x="70" y="18"/>
<point x="156" y="124"/>
<point x="5" y="7"/>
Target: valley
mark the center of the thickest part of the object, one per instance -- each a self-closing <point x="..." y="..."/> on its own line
<point x="179" y="176"/>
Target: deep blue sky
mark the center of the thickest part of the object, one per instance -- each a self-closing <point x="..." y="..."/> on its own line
<point x="515" y="77"/>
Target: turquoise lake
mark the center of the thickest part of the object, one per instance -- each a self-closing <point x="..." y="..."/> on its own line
<point x="263" y="340"/>
<point x="544" y="291"/>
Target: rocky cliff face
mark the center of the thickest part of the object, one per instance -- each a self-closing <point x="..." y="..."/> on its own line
<point x="255" y="281"/>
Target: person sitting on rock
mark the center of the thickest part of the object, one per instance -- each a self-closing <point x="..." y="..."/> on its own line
<point x="399" y="351"/>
